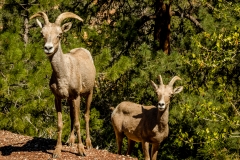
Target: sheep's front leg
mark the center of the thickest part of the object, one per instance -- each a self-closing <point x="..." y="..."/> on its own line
<point x="145" y="147"/>
<point x="154" y="151"/>
<point x="87" y="118"/>
<point x="76" y="108"/>
<point x="58" y="106"/>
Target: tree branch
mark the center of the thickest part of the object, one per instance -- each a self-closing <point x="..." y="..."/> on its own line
<point x="188" y="16"/>
<point x="145" y="18"/>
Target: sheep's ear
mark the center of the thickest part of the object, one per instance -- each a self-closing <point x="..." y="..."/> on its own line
<point x="177" y="90"/>
<point x="39" y="23"/>
<point x="66" y="26"/>
<point x="154" y="85"/>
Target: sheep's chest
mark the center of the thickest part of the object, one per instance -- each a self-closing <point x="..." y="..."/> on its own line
<point x="62" y="89"/>
<point x="59" y="91"/>
<point x="158" y="136"/>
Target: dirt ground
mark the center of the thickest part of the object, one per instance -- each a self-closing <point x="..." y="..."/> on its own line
<point x="19" y="147"/>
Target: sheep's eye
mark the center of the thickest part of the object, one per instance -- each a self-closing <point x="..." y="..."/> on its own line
<point x="60" y="35"/>
<point x="45" y="38"/>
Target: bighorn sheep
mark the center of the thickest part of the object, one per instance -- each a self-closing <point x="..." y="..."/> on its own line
<point x="73" y="76"/>
<point x="146" y="124"/>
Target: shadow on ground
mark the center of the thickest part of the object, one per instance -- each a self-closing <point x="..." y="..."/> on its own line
<point x="36" y="144"/>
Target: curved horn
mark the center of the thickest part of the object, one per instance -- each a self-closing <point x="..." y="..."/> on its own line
<point x="41" y="14"/>
<point x="160" y="79"/>
<point x="173" y="80"/>
<point x="65" y="15"/>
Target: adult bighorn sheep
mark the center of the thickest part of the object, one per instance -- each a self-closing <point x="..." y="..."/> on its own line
<point x="73" y="76"/>
<point x="146" y="124"/>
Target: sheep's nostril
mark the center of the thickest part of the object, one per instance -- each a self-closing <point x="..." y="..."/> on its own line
<point x="161" y="104"/>
<point x="48" y="47"/>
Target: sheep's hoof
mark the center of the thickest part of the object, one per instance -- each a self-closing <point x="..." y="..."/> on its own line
<point x="70" y="144"/>
<point x="56" y="153"/>
<point x="71" y="141"/>
<point x="88" y="144"/>
<point x="81" y="150"/>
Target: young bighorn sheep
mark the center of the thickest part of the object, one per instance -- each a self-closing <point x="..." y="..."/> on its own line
<point x="146" y="124"/>
<point x="73" y="76"/>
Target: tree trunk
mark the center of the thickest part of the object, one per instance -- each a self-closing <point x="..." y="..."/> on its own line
<point x="162" y="26"/>
<point x="26" y="21"/>
<point x="25" y="34"/>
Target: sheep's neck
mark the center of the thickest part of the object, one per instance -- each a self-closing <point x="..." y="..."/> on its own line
<point x="163" y="119"/>
<point x="58" y="63"/>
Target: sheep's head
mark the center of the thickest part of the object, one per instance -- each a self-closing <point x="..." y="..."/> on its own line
<point x="52" y="32"/>
<point x="165" y="92"/>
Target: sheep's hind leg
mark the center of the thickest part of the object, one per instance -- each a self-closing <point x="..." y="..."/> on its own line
<point x="118" y="133"/>
<point x="57" y="151"/>
<point x="87" y="118"/>
<point x="71" y="139"/>
<point x="76" y="108"/>
<point x="119" y="138"/>
<point x="131" y="144"/>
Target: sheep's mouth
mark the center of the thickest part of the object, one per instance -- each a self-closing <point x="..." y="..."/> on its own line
<point x="48" y="53"/>
<point x="161" y="108"/>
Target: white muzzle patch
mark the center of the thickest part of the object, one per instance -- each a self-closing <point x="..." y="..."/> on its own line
<point x="161" y="105"/>
<point x="48" y="48"/>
